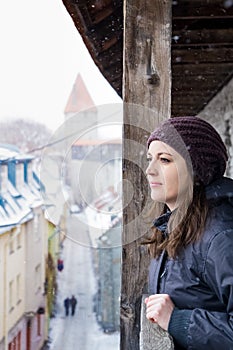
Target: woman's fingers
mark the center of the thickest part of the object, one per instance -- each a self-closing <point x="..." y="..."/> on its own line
<point x="159" y="308"/>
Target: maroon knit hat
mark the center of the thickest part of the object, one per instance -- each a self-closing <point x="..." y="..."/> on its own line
<point x="198" y="143"/>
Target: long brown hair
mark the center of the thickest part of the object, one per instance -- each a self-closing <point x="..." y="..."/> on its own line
<point x="185" y="225"/>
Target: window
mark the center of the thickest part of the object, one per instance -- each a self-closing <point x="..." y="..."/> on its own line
<point x="38" y="324"/>
<point x="4" y="178"/>
<point x="15" y="344"/>
<point x="18" y="289"/>
<point x="36" y="226"/>
<point x="11" y="296"/>
<point x="19" y="175"/>
<point x="11" y="244"/>
<point x="18" y="240"/>
<point x="18" y="341"/>
<point x="30" y="177"/>
<point x="37" y="278"/>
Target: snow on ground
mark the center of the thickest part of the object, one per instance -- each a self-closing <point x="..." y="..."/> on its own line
<point x="81" y="331"/>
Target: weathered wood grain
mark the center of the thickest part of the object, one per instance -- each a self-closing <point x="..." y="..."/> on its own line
<point x="147" y="101"/>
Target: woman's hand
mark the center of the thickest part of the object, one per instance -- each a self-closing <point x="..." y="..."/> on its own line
<point x="159" y="308"/>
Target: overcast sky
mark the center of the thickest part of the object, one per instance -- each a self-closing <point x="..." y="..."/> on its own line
<point x="41" y="55"/>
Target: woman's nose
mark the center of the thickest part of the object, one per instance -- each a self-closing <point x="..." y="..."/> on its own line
<point x="151" y="169"/>
<point x="148" y="170"/>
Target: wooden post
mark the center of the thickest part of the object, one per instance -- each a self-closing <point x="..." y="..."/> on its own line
<point x="147" y="101"/>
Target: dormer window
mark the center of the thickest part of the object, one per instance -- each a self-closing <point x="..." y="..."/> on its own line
<point x="3" y="178"/>
<point x="19" y="175"/>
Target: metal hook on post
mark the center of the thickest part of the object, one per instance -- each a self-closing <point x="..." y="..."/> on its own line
<point x="151" y="71"/>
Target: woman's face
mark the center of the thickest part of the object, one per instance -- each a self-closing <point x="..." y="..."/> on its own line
<point x="167" y="174"/>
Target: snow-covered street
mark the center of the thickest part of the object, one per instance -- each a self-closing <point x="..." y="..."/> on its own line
<point x="81" y="331"/>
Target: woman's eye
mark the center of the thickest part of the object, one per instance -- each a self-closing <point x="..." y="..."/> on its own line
<point x="165" y="160"/>
<point x="148" y="159"/>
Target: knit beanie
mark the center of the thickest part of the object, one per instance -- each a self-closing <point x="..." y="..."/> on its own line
<point x="198" y="143"/>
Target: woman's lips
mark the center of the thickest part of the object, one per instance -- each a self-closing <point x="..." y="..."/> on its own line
<point x="155" y="184"/>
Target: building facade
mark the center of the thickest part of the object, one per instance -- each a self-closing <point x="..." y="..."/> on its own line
<point x="23" y="252"/>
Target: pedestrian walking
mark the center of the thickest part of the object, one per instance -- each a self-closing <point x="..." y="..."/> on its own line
<point x="73" y="302"/>
<point x="67" y="306"/>
<point x="191" y="242"/>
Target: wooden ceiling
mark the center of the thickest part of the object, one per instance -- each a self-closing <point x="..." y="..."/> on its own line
<point x="202" y="46"/>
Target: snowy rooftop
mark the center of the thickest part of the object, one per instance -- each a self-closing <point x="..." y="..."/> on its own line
<point x="8" y="152"/>
<point x="16" y="201"/>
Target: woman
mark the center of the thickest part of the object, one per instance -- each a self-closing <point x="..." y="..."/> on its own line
<point x="191" y="273"/>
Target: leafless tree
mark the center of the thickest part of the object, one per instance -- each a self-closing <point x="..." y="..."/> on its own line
<point x="27" y="135"/>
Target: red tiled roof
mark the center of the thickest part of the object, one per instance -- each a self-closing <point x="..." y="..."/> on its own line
<point x="94" y="142"/>
<point x="80" y="98"/>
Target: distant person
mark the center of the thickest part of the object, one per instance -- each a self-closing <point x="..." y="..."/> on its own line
<point x="73" y="302"/>
<point x="67" y="306"/>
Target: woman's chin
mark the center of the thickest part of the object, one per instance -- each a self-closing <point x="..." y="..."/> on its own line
<point x="157" y="198"/>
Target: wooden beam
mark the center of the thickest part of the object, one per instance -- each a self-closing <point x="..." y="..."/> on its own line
<point x="200" y="10"/>
<point x="202" y="68"/>
<point x="80" y="24"/>
<point x="191" y="92"/>
<point x="211" y="37"/>
<point x="147" y="100"/>
<point x="100" y="16"/>
<point x="207" y="55"/>
<point x="193" y="82"/>
<point x="107" y="43"/>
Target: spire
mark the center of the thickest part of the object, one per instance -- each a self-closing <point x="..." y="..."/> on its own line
<point x="79" y="98"/>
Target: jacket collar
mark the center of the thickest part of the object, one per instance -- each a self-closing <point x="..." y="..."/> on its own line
<point x="220" y="188"/>
<point x="161" y="222"/>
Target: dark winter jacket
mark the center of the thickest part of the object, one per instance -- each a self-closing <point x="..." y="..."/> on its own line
<point x="200" y="280"/>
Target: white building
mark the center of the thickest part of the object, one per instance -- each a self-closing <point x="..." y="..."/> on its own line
<point x="23" y="249"/>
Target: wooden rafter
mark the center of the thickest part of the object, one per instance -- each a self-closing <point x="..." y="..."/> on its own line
<point x="202" y="33"/>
